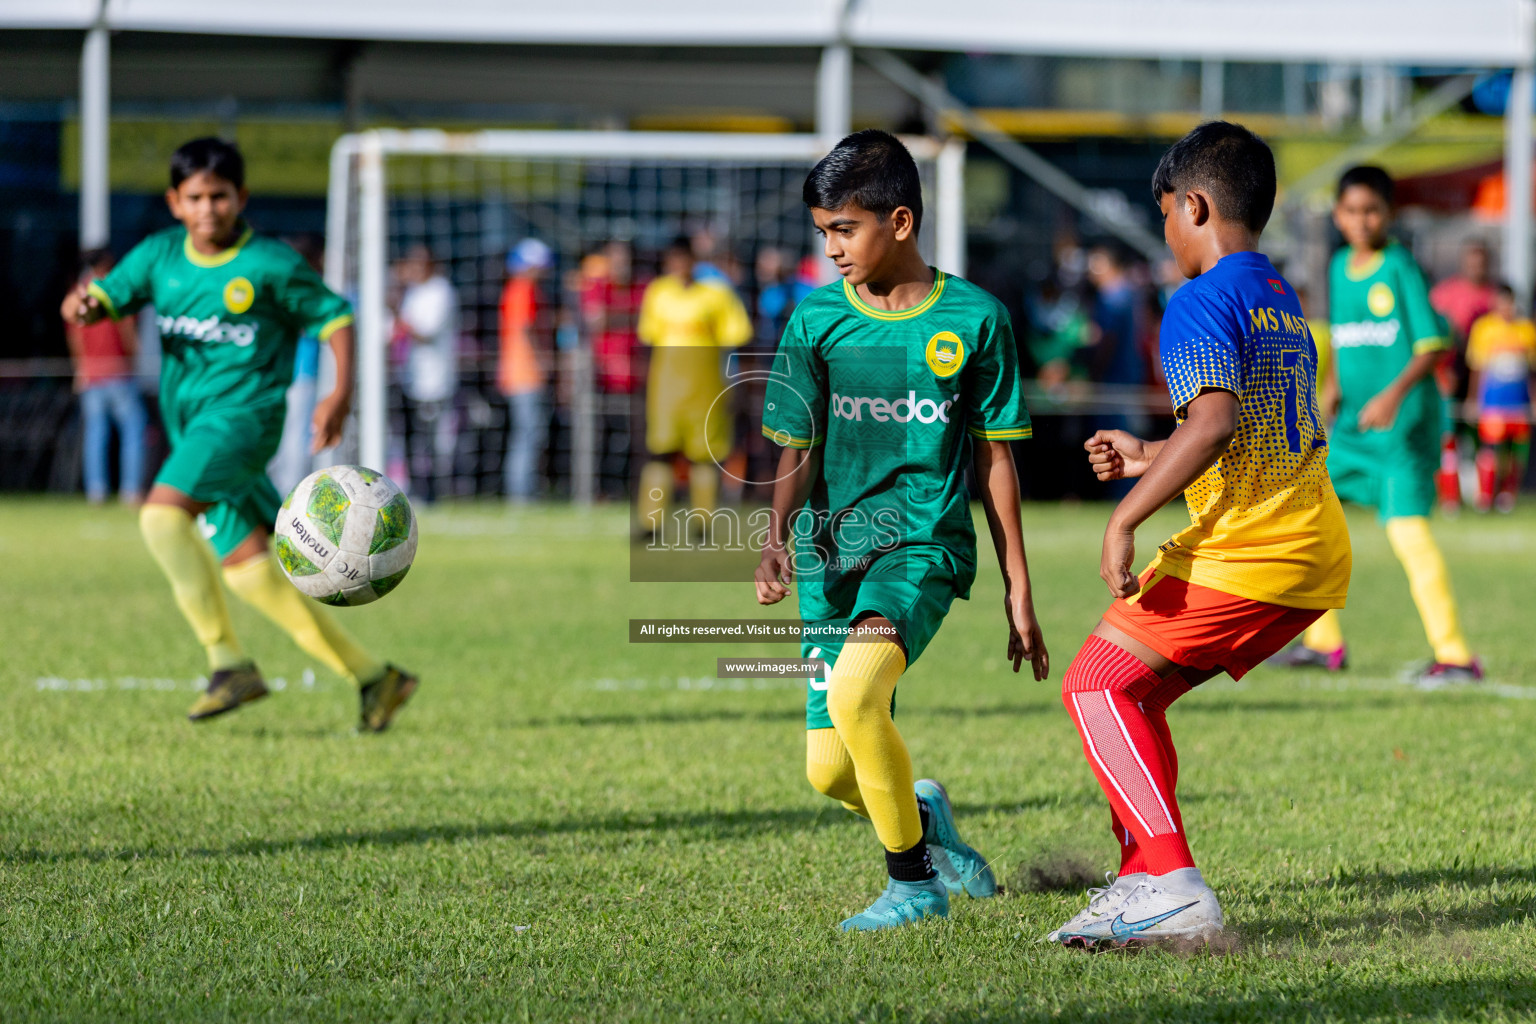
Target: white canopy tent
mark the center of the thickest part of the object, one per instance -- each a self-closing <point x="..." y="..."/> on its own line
<point x="1481" y="33"/>
<point x="1468" y="34"/>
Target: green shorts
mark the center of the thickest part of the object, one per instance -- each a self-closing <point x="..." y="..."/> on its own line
<point x="222" y="458"/>
<point x="915" y="599"/>
<point x="1401" y="483"/>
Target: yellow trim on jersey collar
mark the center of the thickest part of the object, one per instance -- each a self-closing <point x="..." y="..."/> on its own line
<point x="1371" y="265"/>
<point x="897" y="314"/>
<point x="220" y="258"/>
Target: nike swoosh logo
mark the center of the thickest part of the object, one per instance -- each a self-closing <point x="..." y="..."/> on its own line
<point x="1120" y="926"/>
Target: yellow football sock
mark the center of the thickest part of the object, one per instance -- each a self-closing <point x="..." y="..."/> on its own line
<point x="859" y="690"/>
<point x="1430" y="584"/>
<point x="260" y="583"/>
<point x="655" y="494"/>
<point x="830" y="769"/>
<point x="1326" y="635"/>
<point x="187" y="561"/>
<point x="703" y="486"/>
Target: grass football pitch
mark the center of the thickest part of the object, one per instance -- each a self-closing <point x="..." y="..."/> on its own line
<point x="565" y="826"/>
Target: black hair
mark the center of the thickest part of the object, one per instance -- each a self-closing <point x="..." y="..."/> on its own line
<point x="1505" y="288"/>
<point x="1373" y="178"/>
<point x="869" y="169"/>
<point x="90" y="259"/>
<point x="1116" y="253"/>
<point x="1228" y="163"/>
<point x="217" y="157"/>
<point x="681" y="243"/>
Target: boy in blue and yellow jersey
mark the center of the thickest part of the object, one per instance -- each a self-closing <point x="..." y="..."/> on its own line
<point x="232" y="305"/>
<point x="886" y="386"/>
<point x="1388" y="418"/>
<point x="1501" y="353"/>
<point x="1266" y="550"/>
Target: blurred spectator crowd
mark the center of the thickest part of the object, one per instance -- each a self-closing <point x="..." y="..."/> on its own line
<point x="496" y="412"/>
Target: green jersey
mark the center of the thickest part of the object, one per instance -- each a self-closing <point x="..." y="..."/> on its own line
<point x="229" y="323"/>
<point x="1379" y="319"/>
<point x="894" y="398"/>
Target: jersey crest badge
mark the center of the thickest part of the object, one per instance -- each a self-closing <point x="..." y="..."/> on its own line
<point x="946" y="353"/>
<point x="1380" y="299"/>
<point x="1278" y="286"/>
<point x="238" y="295"/>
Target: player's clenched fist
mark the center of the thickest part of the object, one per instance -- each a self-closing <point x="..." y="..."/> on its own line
<point x="1116" y="455"/>
<point x="773" y="575"/>
<point x="81" y="307"/>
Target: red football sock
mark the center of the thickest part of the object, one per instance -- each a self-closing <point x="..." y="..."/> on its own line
<point x="1155" y="706"/>
<point x="1487" y="476"/>
<point x="1448" y="479"/>
<point x="1103" y="691"/>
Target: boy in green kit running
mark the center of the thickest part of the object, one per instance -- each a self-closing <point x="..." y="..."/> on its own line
<point x="1384" y="444"/>
<point x="231" y="306"/>
<point x="886" y="386"/>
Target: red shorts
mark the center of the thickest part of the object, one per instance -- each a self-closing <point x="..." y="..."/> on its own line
<point x="1198" y="627"/>
<point x="1497" y="428"/>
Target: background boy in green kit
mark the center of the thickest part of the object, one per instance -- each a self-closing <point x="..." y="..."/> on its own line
<point x="231" y="306"/>
<point x="1384" y="444"/>
<point x="884" y="386"/>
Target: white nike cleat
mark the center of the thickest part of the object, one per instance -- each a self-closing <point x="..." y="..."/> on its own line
<point x="1150" y="913"/>
<point x="1102" y="901"/>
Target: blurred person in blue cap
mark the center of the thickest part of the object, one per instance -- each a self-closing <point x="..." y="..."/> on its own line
<point x="520" y="375"/>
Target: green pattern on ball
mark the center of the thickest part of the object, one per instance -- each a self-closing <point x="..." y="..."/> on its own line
<point x="367" y="476"/>
<point x="385" y="584"/>
<point x="338" y="599"/>
<point x="293" y="560"/>
<point x="392" y="527"/>
<point x="328" y="504"/>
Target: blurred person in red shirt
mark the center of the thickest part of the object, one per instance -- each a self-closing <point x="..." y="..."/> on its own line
<point x="103" y="356"/>
<point x="610" y="307"/>
<point x="520" y="375"/>
<point x="1469" y="294"/>
<point x="1462" y="300"/>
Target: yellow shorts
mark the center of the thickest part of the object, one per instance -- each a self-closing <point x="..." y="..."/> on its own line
<point x="700" y="430"/>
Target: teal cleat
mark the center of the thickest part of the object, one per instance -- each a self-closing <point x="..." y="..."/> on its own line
<point x="902" y="903"/>
<point x="961" y="868"/>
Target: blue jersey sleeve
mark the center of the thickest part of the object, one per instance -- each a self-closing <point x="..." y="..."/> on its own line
<point x="1200" y="348"/>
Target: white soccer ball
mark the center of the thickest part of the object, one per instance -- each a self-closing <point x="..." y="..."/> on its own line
<point x="346" y="535"/>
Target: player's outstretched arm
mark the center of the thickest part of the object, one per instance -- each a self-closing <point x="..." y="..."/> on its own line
<point x="1209" y="425"/>
<point x="797" y="473"/>
<point x="331" y="411"/>
<point x="999" y="482"/>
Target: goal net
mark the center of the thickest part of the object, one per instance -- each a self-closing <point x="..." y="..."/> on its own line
<point x="601" y="207"/>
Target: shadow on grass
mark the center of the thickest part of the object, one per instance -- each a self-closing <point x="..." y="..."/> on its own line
<point x="1219" y="706"/>
<point x="690" y="826"/>
<point x="1452" y="899"/>
<point x="790" y="714"/>
<point x="1496" y="997"/>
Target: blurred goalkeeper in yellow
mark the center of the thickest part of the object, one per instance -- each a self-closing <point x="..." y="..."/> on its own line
<point x="689" y="325"/>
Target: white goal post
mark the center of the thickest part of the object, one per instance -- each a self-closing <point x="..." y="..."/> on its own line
<point x="358" y="219"/>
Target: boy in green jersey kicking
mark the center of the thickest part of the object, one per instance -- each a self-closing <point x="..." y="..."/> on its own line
<point x="887" y="384"/>
<point x="1384" y="445"/>
<point x="231" y="307"/>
